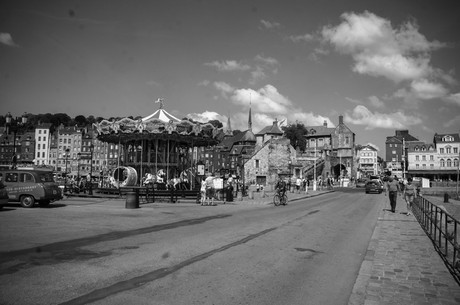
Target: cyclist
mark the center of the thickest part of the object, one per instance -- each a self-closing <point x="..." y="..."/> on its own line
<point x="280" y="187"/>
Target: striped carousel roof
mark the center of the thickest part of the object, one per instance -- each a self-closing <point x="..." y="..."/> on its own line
<point x="161" y="115"/>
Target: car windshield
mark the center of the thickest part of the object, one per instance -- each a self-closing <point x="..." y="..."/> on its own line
<point x="45" y="177"/>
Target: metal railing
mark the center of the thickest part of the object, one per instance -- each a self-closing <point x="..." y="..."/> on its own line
<point x="442" y="228"/>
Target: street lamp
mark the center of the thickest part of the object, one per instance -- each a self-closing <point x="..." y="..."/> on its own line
<point x="78" y="166"/>
<point x="290" y="173"/>
<point x="90" y="191"/>
<point x="66" y="155"/>
<point x="14" y="126"/>
<point x="140" y="178"/>
<point x="314" y="170"/>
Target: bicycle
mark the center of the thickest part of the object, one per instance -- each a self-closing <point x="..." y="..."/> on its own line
<point x="278" y="199"/>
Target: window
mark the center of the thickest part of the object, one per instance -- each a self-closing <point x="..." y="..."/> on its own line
<point x="423" y="158"/>
<point x="347" y="140"/>
<point x="257" y="163"/>
<point x="431" y="166"/>
<point x="424" y="165"/>
<point x="431" y="158"/>
<point x="416" y="158"/>
<point x="441" y="150"/>
<point x="416" y="148"/>
<point x="26" y="177"/>
<point x="455" y="150"/>
<point x="391" y="145"/>
<point x="442" y="163"/>
<point x="11" y="177"/>
<point x="38" y="145"/>
<point x="447" y="150"/>
<point x="393" y="152"/>
<point x="39" y="138"/>
<point x="416" y="166"/>
<point x="449" y="162"/>
<point x="456" y="162"/>
<point x="448" y="139"/>
<point x="39" y="131"/>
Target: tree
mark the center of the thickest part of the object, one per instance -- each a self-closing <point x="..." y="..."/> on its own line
<point x="216" y="123"/>
<point x="81" y="120"/>
<point x="296" y="134"/>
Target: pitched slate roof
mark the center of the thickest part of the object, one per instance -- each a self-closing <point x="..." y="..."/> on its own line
<point x="272" y="129"/>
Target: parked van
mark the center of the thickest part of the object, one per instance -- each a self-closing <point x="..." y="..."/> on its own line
<point x="28" y="186"/>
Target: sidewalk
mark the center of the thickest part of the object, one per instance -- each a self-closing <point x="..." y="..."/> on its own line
<point x="402" y="266"/>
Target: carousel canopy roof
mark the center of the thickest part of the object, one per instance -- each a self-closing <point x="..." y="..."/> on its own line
<point x="159" y="124"/>
<point x="161" y="115"/>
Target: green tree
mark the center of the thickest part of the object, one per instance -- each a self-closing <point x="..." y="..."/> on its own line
<point x="296" y="134"/>
<point x="81" y="120"/>
<point x="216" y="123"/>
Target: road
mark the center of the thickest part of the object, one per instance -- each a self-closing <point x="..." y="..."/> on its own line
<point x="96" y="252"/>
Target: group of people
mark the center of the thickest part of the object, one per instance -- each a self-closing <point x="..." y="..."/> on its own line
<point x="207" y="190"/>
<point x="408" y="190"/>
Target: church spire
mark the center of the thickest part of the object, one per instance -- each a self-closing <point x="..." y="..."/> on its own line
<point x="229" y="127"/>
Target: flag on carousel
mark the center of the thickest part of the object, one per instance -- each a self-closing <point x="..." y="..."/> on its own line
<point x="160" y="100"/>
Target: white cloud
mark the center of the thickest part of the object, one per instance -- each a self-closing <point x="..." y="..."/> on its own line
<point x="204" y="83"/>
<point x="269" y="61"/>
<point x="425" y="89"/>
<point x="301" y="38"/>
<point x="376" y="102"/>
<point x="378" y="49"/>
<point x="264" y="100"/>
<point x="257" y="75"/>
<point x="397" y="120"/>
<point x="228" y="65"/>
<point x="6" y="39"/>
<point x="453" y="98"/>
<point x="207" y="116"/>
<point x="270" y="25"/>
<point x="267" y="104"/>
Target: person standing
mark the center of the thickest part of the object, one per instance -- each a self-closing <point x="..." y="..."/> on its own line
<point x="203" y="191"/>
<point x="392" y="189"/>
<point x="409" y="194"/>
<point x="210" y="189"/>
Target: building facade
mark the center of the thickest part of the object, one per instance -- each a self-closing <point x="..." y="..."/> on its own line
<point x="367" y="161"/>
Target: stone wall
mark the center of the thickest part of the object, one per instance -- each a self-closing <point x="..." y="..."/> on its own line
<point x="272" y="160"/>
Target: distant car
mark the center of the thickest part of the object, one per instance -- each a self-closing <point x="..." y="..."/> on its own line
<point x="374" y="186"/>
<point x="3" y="195"/>
<point x="361" y="183"/>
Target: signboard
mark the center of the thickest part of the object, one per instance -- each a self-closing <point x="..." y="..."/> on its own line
<point x="218" y="183"/>
<point x="200" y="169"/>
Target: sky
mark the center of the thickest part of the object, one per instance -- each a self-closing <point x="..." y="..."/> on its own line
<point x="382" y="65"/>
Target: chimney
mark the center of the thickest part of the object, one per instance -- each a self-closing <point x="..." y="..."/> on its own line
<point x="325" y="123"/>
<point x="340" y="119"/>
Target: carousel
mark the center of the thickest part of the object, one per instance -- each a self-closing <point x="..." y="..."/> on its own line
<point x="156" y="150"/>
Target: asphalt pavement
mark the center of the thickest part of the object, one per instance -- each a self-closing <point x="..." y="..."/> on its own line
<point x="401" y="265"/>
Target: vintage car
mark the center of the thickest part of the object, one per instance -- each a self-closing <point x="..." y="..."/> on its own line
<point x="28" y="186"/>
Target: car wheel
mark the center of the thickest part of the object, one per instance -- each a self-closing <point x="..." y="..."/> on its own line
<point x="27" y="201"/>
<point x="367" y="192"/>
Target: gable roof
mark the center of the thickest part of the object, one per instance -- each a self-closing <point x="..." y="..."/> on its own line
<point x="273" y="129"/>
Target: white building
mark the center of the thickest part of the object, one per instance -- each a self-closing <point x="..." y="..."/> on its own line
<point x="439" y="160"/>
<point x="42" y="144"/>
<point x="367" y="161"/>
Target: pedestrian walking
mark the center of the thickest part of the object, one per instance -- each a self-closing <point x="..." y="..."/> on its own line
<point x="392" y="190"/>
<point x="409" y="194"/>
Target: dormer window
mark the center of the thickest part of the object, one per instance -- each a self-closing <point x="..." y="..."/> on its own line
<point x="448" y="139"/>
